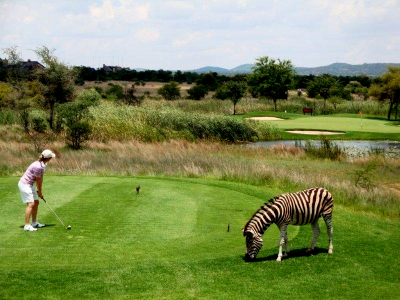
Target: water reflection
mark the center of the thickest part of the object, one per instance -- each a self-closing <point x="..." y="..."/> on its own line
<point x="391" y="148"/>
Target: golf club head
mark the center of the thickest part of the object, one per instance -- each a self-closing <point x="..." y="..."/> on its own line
<point x="69" y="227"/>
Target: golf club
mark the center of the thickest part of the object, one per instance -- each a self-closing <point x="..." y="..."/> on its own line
<point x="66" y="227"/>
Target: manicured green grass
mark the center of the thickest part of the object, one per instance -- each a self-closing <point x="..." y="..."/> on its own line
<point x="338" y="124"/>
<point x="171" y="241"/>
<point x="354" y="127"/>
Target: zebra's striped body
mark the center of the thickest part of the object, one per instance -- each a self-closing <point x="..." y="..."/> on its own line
<point x="304" y="207"/>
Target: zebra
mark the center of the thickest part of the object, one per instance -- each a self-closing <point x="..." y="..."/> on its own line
<point x="300" y="208"/>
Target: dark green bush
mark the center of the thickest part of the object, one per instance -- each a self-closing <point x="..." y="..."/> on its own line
<point x="78" y="133"/>
<point x="74" y="116"/>
<point x="197" y="92"/>
<point x="115" y="90"/>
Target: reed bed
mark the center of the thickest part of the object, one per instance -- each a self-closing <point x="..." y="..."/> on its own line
<point x="286" y="168"/>
<point x="294" y="104"/>
<point x="122" y="123"/>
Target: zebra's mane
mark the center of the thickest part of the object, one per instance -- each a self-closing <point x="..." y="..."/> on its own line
<point x="271" y="202"/>
<point x="268" y="204"/>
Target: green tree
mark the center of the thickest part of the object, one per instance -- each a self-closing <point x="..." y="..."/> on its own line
<point x="74" y="117"/>
<point x="271" y="79"/>
<point x="15" y="74"/>
<point x="16" y="77"/>
<point x="170" y="91"/>
<point x="36" y="125"/>
<point x="209" y="80"/>
<point x="221" y="93"/>
<point x="355" y="87"/>
<point x="326" y="86"/>
<point x="197" y="92"/>
<point x="235" y="92"/>
<point x="58" y="80"/>
<point x="388" y="89"/>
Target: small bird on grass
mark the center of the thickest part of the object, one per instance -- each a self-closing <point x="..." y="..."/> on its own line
<point x="138" y="189"/>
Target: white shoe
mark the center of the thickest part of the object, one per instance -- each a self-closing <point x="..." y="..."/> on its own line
<point x="37" y="225"/>
<point x="29" y="228"/>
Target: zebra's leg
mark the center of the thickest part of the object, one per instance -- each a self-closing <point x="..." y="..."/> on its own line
<point x="286" y="246"/>
<point x="282" y="241"/>
<point x="316" y="232"/>
<point x="329" y="227"/>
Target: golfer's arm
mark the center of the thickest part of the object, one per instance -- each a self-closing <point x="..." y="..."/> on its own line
<point x="39" y="182"/>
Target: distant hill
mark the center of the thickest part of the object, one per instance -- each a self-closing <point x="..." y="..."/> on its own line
<point x="376" y="69"/>
<point x="242" y="69"/>
<point x="212" y="69"/>
<point x="338" y="69"/>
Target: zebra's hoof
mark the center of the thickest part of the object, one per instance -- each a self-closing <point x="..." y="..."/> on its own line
<point x="278" y="259"/>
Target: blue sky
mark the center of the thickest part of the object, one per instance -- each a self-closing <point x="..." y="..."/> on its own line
<point x="192" y="34"/>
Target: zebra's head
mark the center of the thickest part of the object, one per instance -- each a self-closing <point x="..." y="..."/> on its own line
<point x="254" y="243"/>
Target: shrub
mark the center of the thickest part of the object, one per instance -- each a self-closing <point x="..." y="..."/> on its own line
<point x="5" y="91"/>
<point x="197" y="92"/>
<point x="170" y="91"/>
<point x="79" y="133"/>
<point x="325" y="149"/>
<point x="8" y="117"/>
<point x="221" y="93"/>
<point x="90" y="96"/>
<point x="74" y="117"/>
<point x="115" y="92"/>
<point x="36" y="126"/>
<point x="364" y="177"/>
<point x="130" y="98"/>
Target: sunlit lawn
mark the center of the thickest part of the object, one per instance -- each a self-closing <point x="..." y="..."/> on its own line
<point x="172" y="241"/>
<point x="338" y="124"/>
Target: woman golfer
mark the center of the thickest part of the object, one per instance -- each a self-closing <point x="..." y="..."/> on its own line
<point x="30" y="186"/>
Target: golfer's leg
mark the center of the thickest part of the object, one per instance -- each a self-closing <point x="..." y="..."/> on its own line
<point x="28" y="212"/>
<point x="35" y="210"/>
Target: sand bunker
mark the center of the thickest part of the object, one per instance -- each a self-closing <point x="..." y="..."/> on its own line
<point x="312" y="132"/>
<point x="266" y="118"/>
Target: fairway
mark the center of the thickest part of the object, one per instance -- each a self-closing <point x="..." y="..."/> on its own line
<point x="337" y="124"/>
<point x="171" y="241"/>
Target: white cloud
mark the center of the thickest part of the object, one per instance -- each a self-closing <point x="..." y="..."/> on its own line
<point x="192" y="38"/>
<point x="179" y="5"/>
<point x="106" y="11"/>
<point x="147" y="35"/>
<point x="203" y="32"/>
<point x="28" y="20"/>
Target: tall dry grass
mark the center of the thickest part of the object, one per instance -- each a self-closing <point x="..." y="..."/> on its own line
<point x="285" y="168"/>
<point x="122" y="123"/>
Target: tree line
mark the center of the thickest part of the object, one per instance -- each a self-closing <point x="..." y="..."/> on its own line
<point x="52" y="89"/>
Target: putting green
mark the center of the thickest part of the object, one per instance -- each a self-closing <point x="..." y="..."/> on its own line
<point x="337" y="124"/>
<point x="169" y="219"/>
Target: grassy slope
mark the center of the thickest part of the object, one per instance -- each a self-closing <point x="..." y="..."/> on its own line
<point x="171" y="241"/>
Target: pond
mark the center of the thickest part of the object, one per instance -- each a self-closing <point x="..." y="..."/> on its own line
<point x="388" y="148"/>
